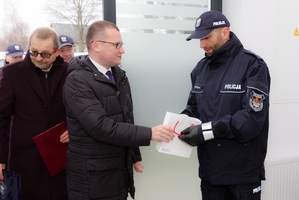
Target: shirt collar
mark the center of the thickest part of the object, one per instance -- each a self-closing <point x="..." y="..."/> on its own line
<point x="101" y="69"/>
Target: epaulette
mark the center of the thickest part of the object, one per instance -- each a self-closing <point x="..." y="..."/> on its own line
<point x="253" y="54"/>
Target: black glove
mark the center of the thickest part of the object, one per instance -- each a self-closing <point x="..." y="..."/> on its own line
<point x="195" y="135"/>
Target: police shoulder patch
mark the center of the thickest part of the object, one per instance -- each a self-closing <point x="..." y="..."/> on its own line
<point x="256" y="101"/>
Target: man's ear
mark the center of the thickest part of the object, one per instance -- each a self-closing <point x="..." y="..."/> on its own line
<point x="226" y="32"/>
<point x="95" y="46"/>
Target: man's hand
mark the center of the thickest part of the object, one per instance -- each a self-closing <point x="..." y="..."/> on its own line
<point x="138" y="166"/>
<point x="162" y="133"/>
<point x="2" y="166"/>
<point x="64" y="138"/>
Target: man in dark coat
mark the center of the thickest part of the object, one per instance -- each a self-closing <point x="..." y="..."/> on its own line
<point x="103" y="139"/>
<point x="31" y="93"/>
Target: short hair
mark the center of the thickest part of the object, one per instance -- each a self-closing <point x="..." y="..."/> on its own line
<point x="45" y="33"/>
<point x="98" y="29"/>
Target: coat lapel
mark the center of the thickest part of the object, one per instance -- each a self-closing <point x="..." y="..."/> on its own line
<point x="29" y="71"/>
<point x="58" y="70"/>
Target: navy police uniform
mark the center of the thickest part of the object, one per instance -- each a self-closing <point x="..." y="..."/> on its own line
<point x="230" y="91"/>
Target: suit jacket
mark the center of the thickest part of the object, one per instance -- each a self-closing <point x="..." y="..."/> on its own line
<point x="34" y="100"/>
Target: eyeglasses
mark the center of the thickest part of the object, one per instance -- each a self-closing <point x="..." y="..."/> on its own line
<point x="42" y="54"/>
<point x="117" y="45"/>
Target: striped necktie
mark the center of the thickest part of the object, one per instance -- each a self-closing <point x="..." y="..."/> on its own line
<point x="109" y="74"/>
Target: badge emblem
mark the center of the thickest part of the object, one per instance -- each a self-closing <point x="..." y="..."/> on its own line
<point x="197" y="23"/>
<point x="256" y="101"/>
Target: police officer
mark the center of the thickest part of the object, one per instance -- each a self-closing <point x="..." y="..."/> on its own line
<point x="13" y="53"/>
<point x="230" y="95"/>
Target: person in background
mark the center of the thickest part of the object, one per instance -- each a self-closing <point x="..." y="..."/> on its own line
<point x="13" y="53"/>
<point x="31" y="96"/>
<point x="230" y="95"/>
<point x="66" y="47"/>
<point x="104" y="141"/>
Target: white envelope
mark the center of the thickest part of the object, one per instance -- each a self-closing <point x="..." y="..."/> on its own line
<point x="177" y="147"/>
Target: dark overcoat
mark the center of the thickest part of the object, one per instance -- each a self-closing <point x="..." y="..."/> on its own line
<point x="34" y="100"/>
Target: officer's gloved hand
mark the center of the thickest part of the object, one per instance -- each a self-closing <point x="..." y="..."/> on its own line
<point x="190" y="135"/>
<point x="195" y="135"/>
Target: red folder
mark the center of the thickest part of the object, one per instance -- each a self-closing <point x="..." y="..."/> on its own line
<point x="51" y="149"/>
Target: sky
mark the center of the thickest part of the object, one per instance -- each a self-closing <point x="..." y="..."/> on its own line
<point x="31" y="11"/>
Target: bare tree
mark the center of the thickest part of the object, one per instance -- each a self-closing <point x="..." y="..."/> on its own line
<point x="79" y="13"/>
<point x="15" y="30"/>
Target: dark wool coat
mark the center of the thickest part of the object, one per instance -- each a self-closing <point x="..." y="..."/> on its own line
<point x="23" y="95"/>
<point x="102" y="134"/>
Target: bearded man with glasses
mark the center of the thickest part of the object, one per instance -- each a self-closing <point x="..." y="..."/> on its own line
<point x="31" y="93"/>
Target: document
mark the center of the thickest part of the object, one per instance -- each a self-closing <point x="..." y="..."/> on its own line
<point x="51" y="149"/>
<point x="177" y="147"/>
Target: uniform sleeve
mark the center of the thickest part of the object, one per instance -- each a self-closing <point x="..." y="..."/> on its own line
<point x="253" y="119"/>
